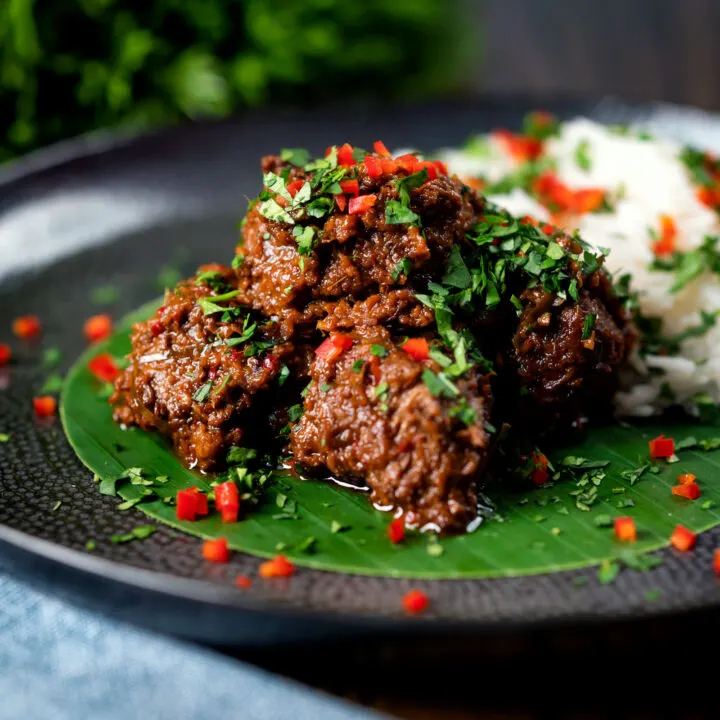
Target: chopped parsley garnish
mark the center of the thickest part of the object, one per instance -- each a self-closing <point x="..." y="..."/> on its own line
<point x="398" y="214"/>
<point x="139" y="533"/>
<point x="465" y="414"/>
<point x="237" y="261"/>
<point x="379" y="351"/>
<point x="688" y="265"/>
<point x="590" y="319"/>
<point x="603" y="521"/>
<point x="382" y="389"/>
<point x="209" y="305"/>
<point x="304" y="237"/>
<point x="336" y="527"/>
<point x="5" y="437"/>
<point x="212" y="279"/>
<point x="52" y="384"/>
<point x="201" y="394"/>
<point x="439" y="385"/>
<point x="608" y="571"/>
<point x="57" y="505"/>
<point x="582" y="157"/>
<point x="284" y="374"/>
<point x="295" y="156"/>
<point x="358" y="365"/>
<point x="295" y="412"/>
<point x="402" y="268"/>
<point x="52" y="356"/>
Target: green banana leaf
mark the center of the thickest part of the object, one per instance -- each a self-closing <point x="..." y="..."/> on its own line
<point x="532" y="530"/>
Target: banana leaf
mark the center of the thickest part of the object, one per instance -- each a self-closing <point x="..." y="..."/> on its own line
<point x="559" y="526"/>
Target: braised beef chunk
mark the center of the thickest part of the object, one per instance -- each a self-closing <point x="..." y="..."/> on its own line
<point x="185" y="378"/>
<point x="402" y="302"/>
<point x="376" y="418"/>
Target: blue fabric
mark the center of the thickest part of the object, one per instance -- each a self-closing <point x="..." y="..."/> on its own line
<point x="61" y="663"/>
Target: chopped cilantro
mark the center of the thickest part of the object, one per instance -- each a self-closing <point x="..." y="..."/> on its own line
<point x="295" y="156"/>
<point x="634" y="475"/>
<point x="399" y="214"/>
<point x="57" y="505"/>
<point x="212" y="279"/>
<point x="381" y="389"/>
<point x="272" y="211"/>
<point x="625" y="503"/>
<point x="295" y="412"/>
<point x="53" y="384"/>
<point x="584" y="463"/>
<point x="608" y="571"/>
<point x="379" y="351"/>
<point x="687" y="265"/>
<point x="237" y="261"/>
<point x="358" y="365"/>
<point x="603" y="521"/>
<point x="434" y="548"/>
<point x="4" y="437"/>
<point x="284" y="374"/>
<point x="201" y="394"/>
<point x="90" y="545"/>
<point x="402" y="268"/>
<point x="336" y="527"/>
<point x="582" y="157"/>
<point x="139" y="533"/>
<point x="708" y="505"/>
<point x="307" y="545"/>
<point x="240" y="455"/>
<point x="466" y="414"/>
<point x="209" y="304"/>
<point x="324" y="387"/>
<point x="52" y="356"/>
<point x="304" y="237"/>
<point x="439" y="385"/>
<point x="653" y="595"/>
<point x="589" y="325"/>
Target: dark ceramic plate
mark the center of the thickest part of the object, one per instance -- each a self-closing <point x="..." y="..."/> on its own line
<point x="105" y="210"/>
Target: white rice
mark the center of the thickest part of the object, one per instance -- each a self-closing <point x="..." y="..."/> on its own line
<point x="654" y="181"/>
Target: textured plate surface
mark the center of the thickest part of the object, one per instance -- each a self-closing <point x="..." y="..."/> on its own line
<point x="92" y="213"/>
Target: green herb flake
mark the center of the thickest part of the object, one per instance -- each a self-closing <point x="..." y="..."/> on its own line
<point x="130" y="503"/>
<point x="307" y="545"/>
<point x="653" y="595"/>
<point x="324" y="387"/>
<point x="708" y="505"/>
<point x="237" y="261"/>
<point x="90" y="545"/>
<point x="435" y="549"/>
<point x="358" y="365"/>
<point x="57" y="505"/>
<point x="53" y="384"/>
<point x="284" y="374"/>
<point x="608" y="571"/>
<point x="299" y="157"/>
<point x="590" y="319"/>
<point x="632" y="476"/>
<point x="398" y="214"/>
<point x="51" y="357"/>
<point x="202" y="393"/>
<point x="603" y="521"/>
<point x="402" y="268"/>
<point x="582" y="156"/>
<point x="209" y="304"/>
<point x="139" y="533"/>
<point x="381" y="389"/>
<point x="379" y="351"/>
<point x="555" y="531"/>
<point x="625" y="503"/>
<point x="5" y="437"/>
<point x="337" y="527"/>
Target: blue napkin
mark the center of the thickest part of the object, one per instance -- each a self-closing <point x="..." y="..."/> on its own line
<point x="61" y="663"/>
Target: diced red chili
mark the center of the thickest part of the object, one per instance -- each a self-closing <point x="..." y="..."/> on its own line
<point x="716" y="561"/>
<point x="44" y="406"/>
<point x="27" y="326"/>
<point x="279" y="566"/>
<point x="690" y="490"/>
<point x="201" y="504"/>
<point x="431" y="168"/>
<point x="186" y="504"/>
<point x="396" y="530"/>
<point x="667" y="237"/>
<point x="682" y="538"/>
<point x="103" y="367"/>
<point x="271" y="363"/>
<point x="243" y="582"/>
<point x="373" y="166"/>
<point x="156" y="327"/>
<point x="332" y="347"/>
<point x="625" y="529"/>
<point x="341" y="202"/>
<point x="409" y="163"/>
<point x="709" y="196"/>
<point x="345" y="156"/>
<point x="5" y="354"/>
<point x="415" y="601"/>
<point x="227" y="501"/>
<point x="588" y="200"/>
<point x="661" y="447"/>
<point x="540" y="474"/>
<point x="441" y="167"/>
<point x="417" y="348"/>
<point x="294" y="186"/>
<point x="380" y="149"/>
<point x="521" y="147"/>
<point x="362" y="203"/>
<point x="686" y="478"/>
<point x="216" y="551"/>
<point x="98" y="327"/>
<point x="350" y="187"/>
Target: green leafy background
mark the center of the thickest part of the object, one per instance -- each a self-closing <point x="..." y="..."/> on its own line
<point x="69" y="66"/>
<point x="532" y="531"/>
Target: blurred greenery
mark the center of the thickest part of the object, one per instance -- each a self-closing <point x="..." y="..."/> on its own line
<point x="69" y="66"/>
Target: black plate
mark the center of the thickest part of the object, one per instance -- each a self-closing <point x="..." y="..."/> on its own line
<point x="107" y="210"/>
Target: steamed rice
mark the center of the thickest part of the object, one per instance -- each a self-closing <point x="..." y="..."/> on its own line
<point x="650" y="180"/>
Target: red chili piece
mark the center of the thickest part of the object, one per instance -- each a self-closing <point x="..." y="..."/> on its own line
<point x="690" y="490"/>
<point x="279" y="566"/>
<point x="227" y="501"/>
<point x="345" y="156"/>
<point x="98" y="328"/>
<point x="417" y="348"/>
<point x="661" y="447"/>
<point x="27" y="326"/>
<point x="362" y="203"/>
<point x="415" y="601"/>
<point x="216" y="551"/>
<point x="625" y="529"/>
<point x="44" y="406"/>
<point x="333" y="347"/>
<point x="5" y="354"/>
<point x="396" y="530"/>
<point x="103" y="367"/>
<point x="683" y="539"/>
